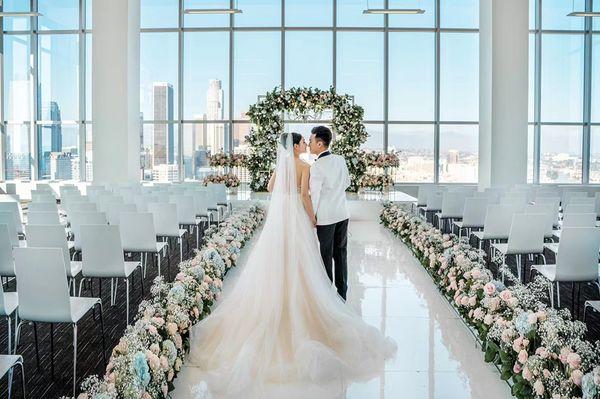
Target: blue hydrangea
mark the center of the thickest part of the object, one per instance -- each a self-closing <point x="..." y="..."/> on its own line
<point x="522" y="324"/>
<point x="499" y="285"/>
<point x="213" y="256"/>
<point x="102" y="395"/>
<point x="171" y="351"/>
<point x="177" y="293"/>
<point x="140" y="366"/>
<point x="588" y="386"/>
<point x="197" y="272"/>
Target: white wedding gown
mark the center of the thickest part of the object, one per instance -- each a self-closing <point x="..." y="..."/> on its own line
<point x="283" y="323"/>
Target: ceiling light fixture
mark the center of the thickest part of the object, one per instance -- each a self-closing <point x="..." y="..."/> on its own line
<point x="582" y="13"/>
<point x="21" y="14"/>
<point x="212" y="11"/>
<point x="394" y="11"/>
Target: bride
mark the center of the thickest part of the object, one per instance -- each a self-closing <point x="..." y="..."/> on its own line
<point x="283" y="324"/>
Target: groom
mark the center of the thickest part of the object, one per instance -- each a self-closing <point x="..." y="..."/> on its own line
<point x="329" y="180"/>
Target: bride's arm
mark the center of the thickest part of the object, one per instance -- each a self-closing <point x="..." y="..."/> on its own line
<point x="271" y="183"/>
<point x="304" y="191"/>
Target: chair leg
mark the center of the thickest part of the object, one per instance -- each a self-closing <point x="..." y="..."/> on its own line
<point x="142" y="280"/>
<point x="22" y="378"/>
<point x="127" y="300"/>
<point x="102" y="333"/>
<point x="75" y="357"/>
<point x="52" y="350"/>
<point x="81" y="285"/>
<point x="551" y="288"/>
<point x="9" y="335"/>
<point x="180" y="249"/>
<point x="558" y="295"/>
<point x="37" y="351"/>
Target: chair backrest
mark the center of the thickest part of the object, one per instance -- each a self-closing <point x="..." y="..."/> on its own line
<point x="579" y="208"/>
<point x="165" y="219"/>
<point x="577" y="257"/>
<point x="37" y="218"/>
<point x="43" y="207"/>
<point x="434" y="201"/>
<point x="43" y="292"/>
<point x="7" y="263"/>
<point x="498" y="220"/>
<point x="202" y="201"/>
<point x="15" y="209"/>
<point x="81" y="207"/>
<point x="113" y="211"/>
<point x="186" y="212"/>
<point x="550" y="211"/>
<point x="11" y="188"/>
<point x="527" y="233"/>
<point x="583" y="201"/>
<point x="474" y="212"/>
<point x="79" y="219"/>
<point x="49" y="236"/>
<point x="8" y="219"/>
<point x="42" y="196"/>
<point x="137" y="232"/>
<point x="514" y="199"/>
<point x="219" y="192"/>
<point x="103" y="201"/>
<point x="453" y="204"/>
<point x="579" y="220"/>
<point x="101" y="251"/>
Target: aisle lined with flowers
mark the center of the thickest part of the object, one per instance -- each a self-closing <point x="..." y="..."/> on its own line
<point x="436" y="358"/>
<point x="540" y="351"/>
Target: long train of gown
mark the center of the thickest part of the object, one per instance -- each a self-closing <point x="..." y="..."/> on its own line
<point x="283" y="322"/>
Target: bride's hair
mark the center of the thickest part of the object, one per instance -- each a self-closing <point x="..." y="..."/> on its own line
<point x="296" y="138"/>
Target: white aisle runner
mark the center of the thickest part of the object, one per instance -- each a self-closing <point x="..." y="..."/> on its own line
<point x="437" y="357"/>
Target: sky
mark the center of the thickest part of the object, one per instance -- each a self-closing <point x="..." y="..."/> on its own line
<point x="309" y="61"/>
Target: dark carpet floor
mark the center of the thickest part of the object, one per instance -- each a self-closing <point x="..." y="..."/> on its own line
<point x="40" y="381"/>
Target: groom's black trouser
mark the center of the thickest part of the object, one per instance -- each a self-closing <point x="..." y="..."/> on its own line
<point x="333" y="239"/>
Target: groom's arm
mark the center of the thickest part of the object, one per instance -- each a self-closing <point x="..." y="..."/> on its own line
<point x="316" y="185"/>
<point x="346" y="175"/>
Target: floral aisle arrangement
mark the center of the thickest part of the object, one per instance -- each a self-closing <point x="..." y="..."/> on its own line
<point x="229" y="179"/>
<point x="381" y="160"/>
<point x="539" y="350"/>
<point x="222" y="160"/>
<point x="266" y="116"/>
<point x="376" y="182"/>
<point x="151" y="353"/>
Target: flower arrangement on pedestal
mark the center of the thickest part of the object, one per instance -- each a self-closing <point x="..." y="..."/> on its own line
<point x="381" y="159"/>
<point x="376" y="182"/>
<point x="151" y="353"/>
<point x="229" y="179"/>
<point x="540" y="350"/>
<point x="222" y="160"/>
<point x="266" y="116"/>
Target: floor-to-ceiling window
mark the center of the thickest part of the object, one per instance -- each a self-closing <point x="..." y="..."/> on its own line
<point x="563" y="104"/>
<point x="45" y="108"/>
<point x="415" y="75"/>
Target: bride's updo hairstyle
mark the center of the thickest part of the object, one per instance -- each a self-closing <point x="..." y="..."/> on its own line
<point x="296" y="138"/>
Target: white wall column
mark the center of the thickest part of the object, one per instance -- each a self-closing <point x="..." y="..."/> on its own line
<point x="503" y="91"/>
<point x="116" y="90"/>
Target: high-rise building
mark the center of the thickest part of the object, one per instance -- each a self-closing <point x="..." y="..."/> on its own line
<point x="164" y="139"/>
<point x="53" y="143"/>
<point x="199" y="132"/>
<point x="61" y="165"/>
<point x="453" y="156"/>
<point x="215" y="132"/>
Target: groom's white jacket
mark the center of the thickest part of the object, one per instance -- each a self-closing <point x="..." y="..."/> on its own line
<point x="329" y="179"/>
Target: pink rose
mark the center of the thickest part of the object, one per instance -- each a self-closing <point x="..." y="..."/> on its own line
<point x="178" y="341"/>
<point x="146" y="395"/>
<point x="165" y="390"/>
<point x="542" y="352"/>
<point x="564" y="353"/>
<point x="164" y="363"/>
<point x="527" y="374"/>
<point x="506" y="295"/>
<point x="83" y="396"/>
<point x="172" y="328"/>
<point x="517" y="368"/>
<point x="488" y="319"/>
<point x="523" y="356"/>
<point x="472" y="301"/>
<point x="152" y="329"/>
<point x="574" y="360"/>
<point x="546" y="373"/>
<point x="159" y="321"/>
<point x="538" y="387"/>
<point x="532" y="318"/>
<point x="489" y="289"/>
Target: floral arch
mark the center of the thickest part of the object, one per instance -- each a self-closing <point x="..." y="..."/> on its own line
<point x="267" y="116"/>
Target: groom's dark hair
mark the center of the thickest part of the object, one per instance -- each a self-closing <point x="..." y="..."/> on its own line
<point x="323" y="134"/>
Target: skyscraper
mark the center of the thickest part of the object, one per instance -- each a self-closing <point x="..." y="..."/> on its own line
<point x="164" y="140"/>
<point x="54" y="143"/>
<point x="215" y="134"/>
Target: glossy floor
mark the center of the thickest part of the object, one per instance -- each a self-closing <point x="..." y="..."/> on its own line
<point x="437" y="357"/>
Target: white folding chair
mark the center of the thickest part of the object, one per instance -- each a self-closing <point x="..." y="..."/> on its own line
<point x="7" y="218"/>
<point x="102" y="257"/>
<point x="498" y="220"/>
<point x="138" y="236"/>
<point x="79" y="219"/>
<point x="576" y="260"/>
<point x="48" y="236"/>
<point x="453" y="206"/>
<point x="473" y="215"/>
<point x="526" y="237"/>
<point x="37" y="218"/>
<point x="579" y="208"/>
<point x="7" y="364"/>
<point x="7" y="262"/>
<point x="114" y="210"/>
<point x="9" y="302"/>
<point x="15" y="209"/>
<point x="43" y="207"/>
<point x="44" y="297"/>
<point x="186" y="213"/>
<point x="166" y="225"/>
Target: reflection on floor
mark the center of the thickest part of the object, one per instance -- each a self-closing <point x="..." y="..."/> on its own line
<point x="437" y="358"/>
